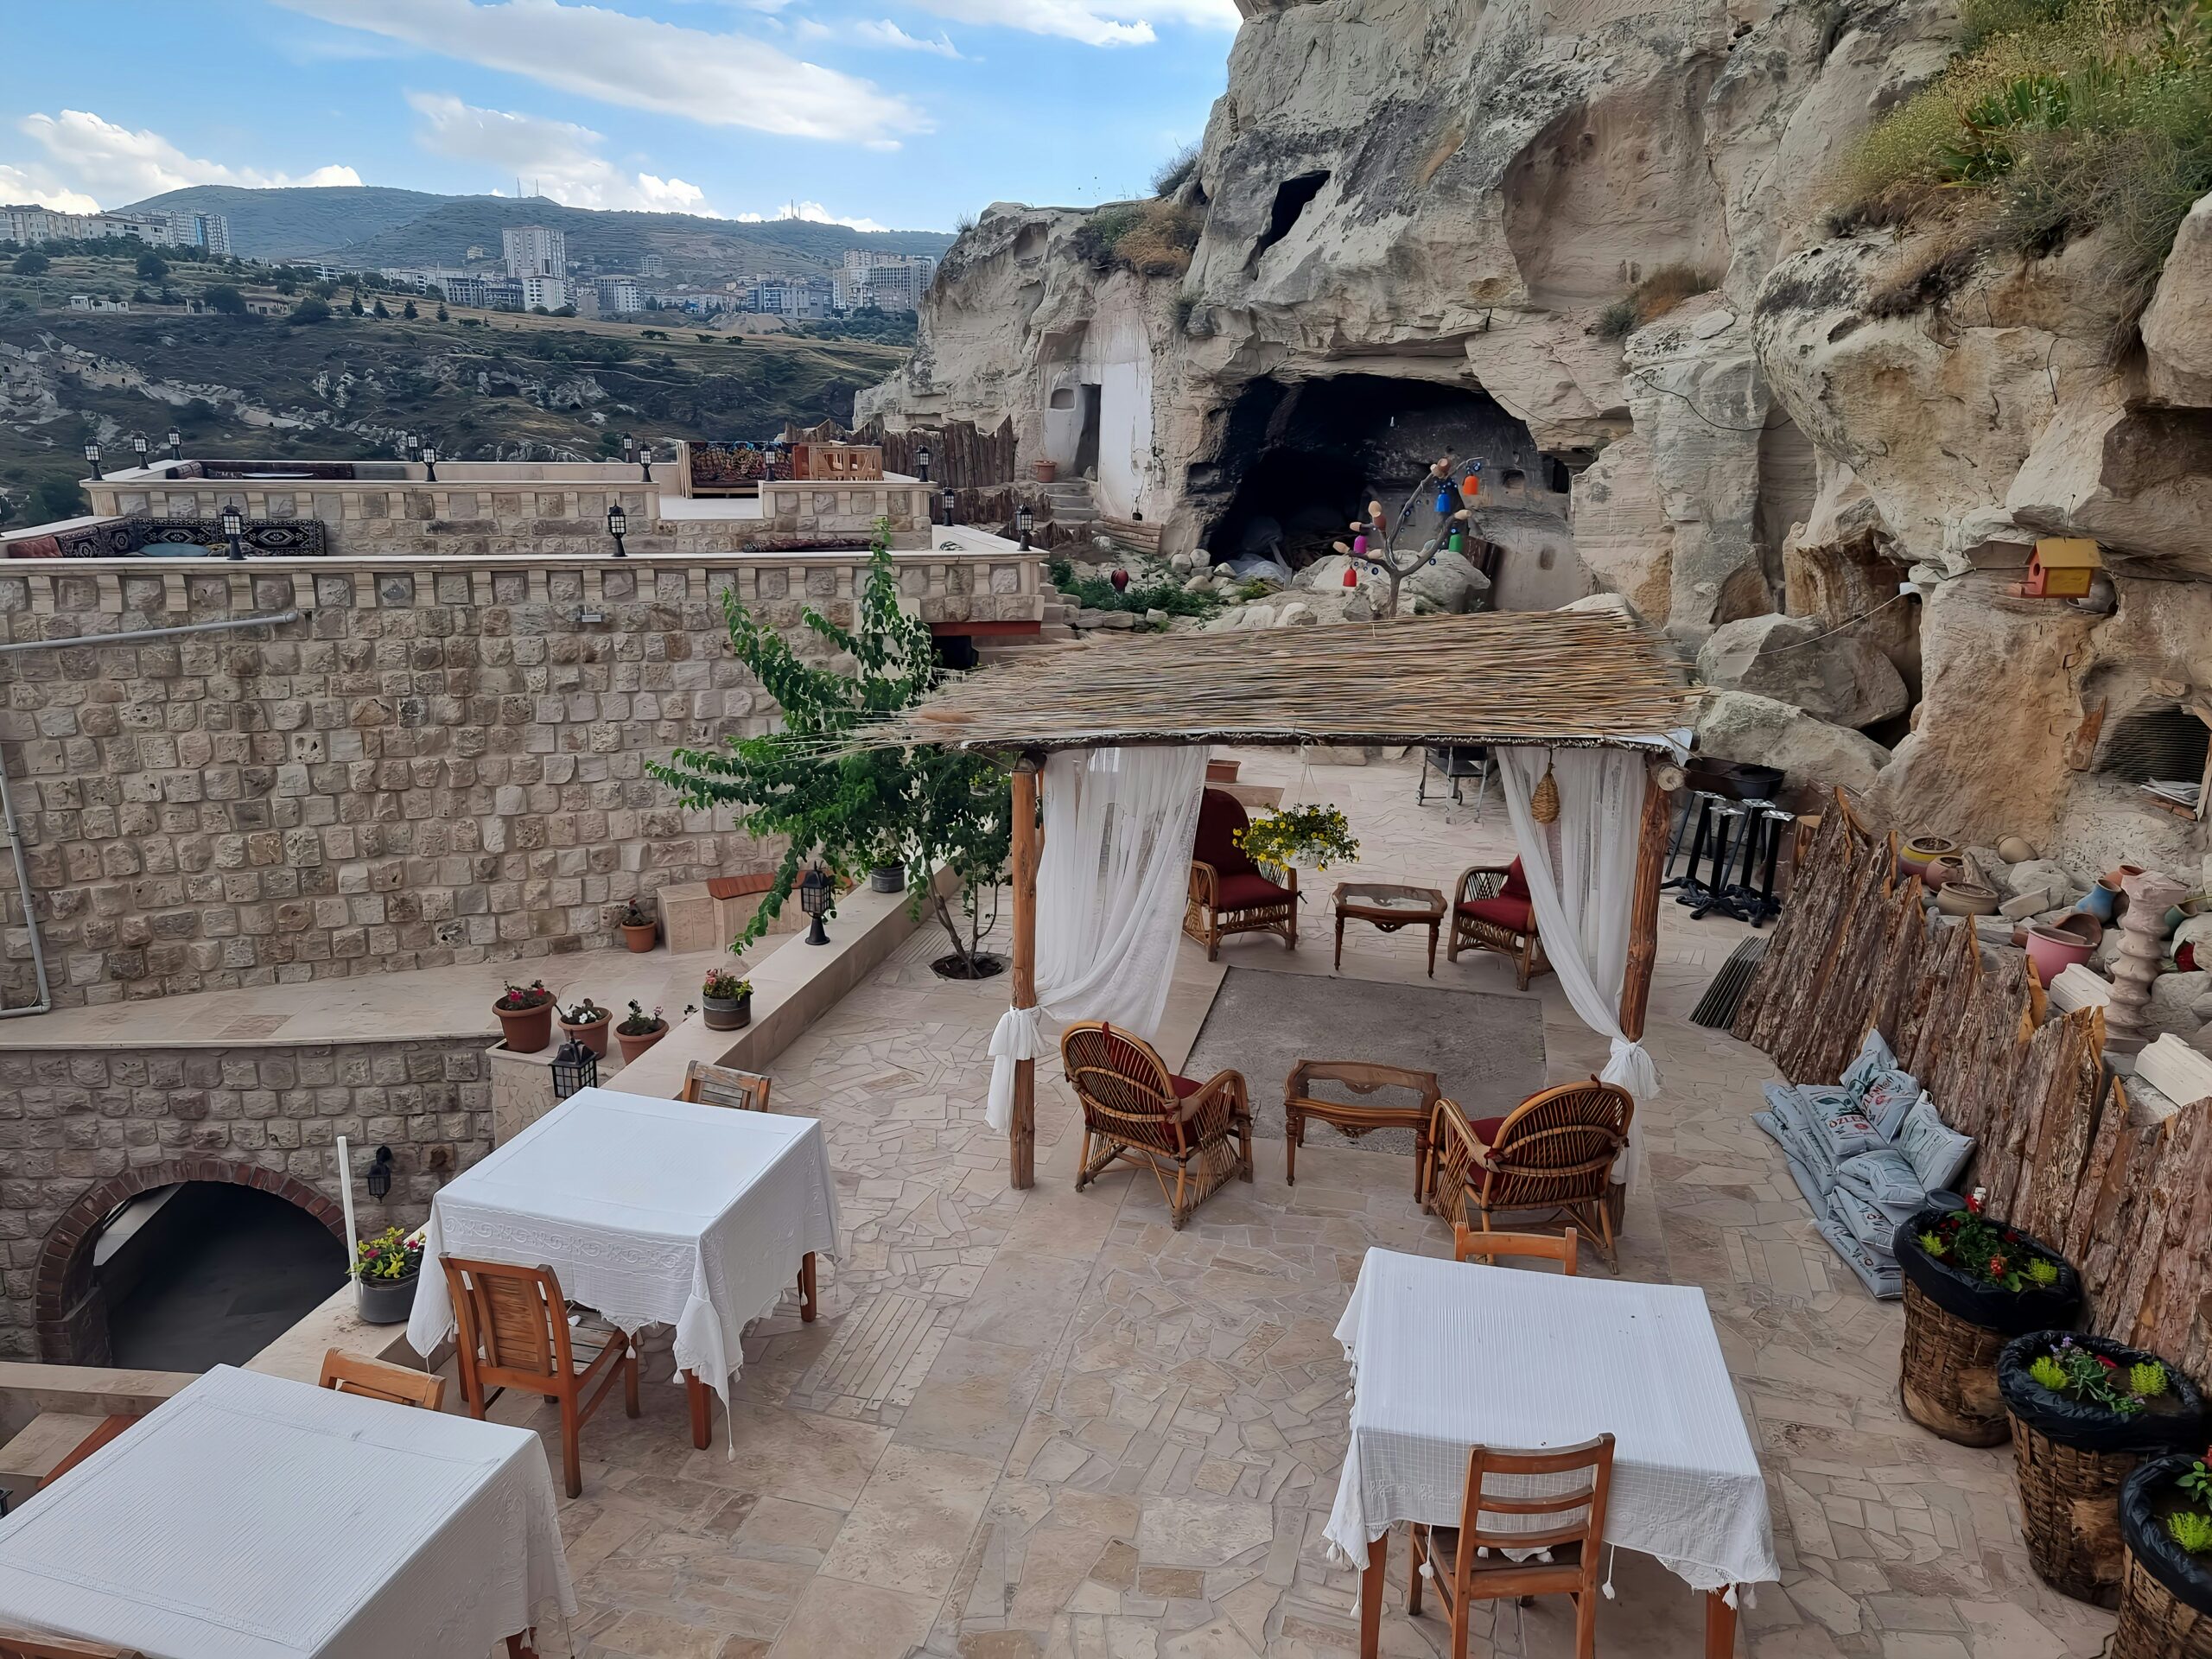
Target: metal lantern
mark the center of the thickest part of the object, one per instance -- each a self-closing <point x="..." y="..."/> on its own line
<point x="646" y="463"/>
<point x="430" y="463"/>
<point x="574" y="1067"/>
<point x="617" y="522"/>
<point x="950" y="502"/>
<point x="176" y="444"/>
<point x="1025" y="521"/>
<point x="92" y="456"/>
<point x="814" y="900"/>
<point x="629" y="449"/>
<point x="413" y="442"/>
<point x="379" y="1176"/>
<point x="139" y="447"/>
<point x="922" y="462"/>
<point x="233" y="524"/>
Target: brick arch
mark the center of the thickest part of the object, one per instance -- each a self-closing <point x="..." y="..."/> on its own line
<point x="71" y="1323"/>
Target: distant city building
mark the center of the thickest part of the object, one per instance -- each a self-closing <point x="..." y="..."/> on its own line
<point x="476" y="252"/>
<point x="619" y="295"/>
<point x="209" y="231"/>
<point x="463" y="289"/>
<point x="889" y="282"/>
<point x="94" y="303"/>
<point x="549" y="292"/>
<point x="534" y="251"/>
<point x="652" y="265"/>
<point x="503" y="293"/>
<point x="28" y="225"/>
<point x="789" y="296"/>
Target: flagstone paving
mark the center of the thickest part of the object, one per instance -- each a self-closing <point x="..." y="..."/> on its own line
<point x="1044" y="1424"/>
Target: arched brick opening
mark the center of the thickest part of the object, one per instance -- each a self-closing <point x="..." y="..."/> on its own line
<point x="72" y="1319"/>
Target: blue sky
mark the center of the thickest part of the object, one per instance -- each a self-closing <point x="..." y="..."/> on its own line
<point x="897" y="114"/>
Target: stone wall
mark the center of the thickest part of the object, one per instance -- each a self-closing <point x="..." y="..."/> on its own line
<point x="83" y="1129"/>
<point x="436" y="764"/>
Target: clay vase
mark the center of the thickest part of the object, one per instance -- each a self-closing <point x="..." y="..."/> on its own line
<point x="2083" y="926"/>
<point x="1967" y="899"/>
<point x="2052" y="952"/>
<point x="2013" y="850"/>
<point x="1941" y="872"/>
<point x="1914" y="856"/>
<point x="2102" y="901"/>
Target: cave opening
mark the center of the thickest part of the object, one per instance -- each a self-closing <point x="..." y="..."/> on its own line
<point x="1293" y="197"/>
<point x="2158" y="745"/>
<point x="1295" y="461"/>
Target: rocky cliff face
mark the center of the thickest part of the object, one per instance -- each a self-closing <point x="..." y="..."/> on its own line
<point x="1585" y="240"/>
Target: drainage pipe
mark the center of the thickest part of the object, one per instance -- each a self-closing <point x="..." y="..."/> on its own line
<point x="8" y="825"/>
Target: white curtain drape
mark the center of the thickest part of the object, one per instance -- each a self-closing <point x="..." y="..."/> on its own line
<point x="1110" y="893"/>
<point x="1581" y="874"/>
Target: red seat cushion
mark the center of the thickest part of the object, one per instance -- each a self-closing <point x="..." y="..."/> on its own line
<point x="1185" y="1087"/>
<point x="1251" y="888"/>
<point x="1514" y="913"/>
<point x="1486" y="1129"/>
<point x="1220" y="817"/>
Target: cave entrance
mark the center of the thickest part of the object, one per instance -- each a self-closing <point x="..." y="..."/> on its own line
<point x="1294" y="463"/>
<point x="2162" y="745"/>
<point x="1088" y="398"/>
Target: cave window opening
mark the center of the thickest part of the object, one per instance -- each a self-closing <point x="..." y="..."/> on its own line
<point x="1293" y="197"/>
<point x="2168" y="744"/>
<point x="1513" y="478"/>
<point x="1556" y="475"/>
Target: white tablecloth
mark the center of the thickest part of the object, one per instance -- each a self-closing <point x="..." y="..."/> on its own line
<point x="650" y="1212"/>
<point x="249" y="1518"/>
<point x="1448" y="1354"/>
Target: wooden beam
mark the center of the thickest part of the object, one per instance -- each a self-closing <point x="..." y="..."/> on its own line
<point x="1027" y="852"/>
<point x="1643" y="909"/>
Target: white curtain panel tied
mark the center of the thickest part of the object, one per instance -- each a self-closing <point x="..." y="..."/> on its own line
<point x="1582" y="897"/>
<point x="1119" y="824"/>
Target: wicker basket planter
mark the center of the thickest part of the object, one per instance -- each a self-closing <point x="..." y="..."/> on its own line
<point x="2166" y="1602"/>
<point x="2071" y="1457"/>
<point x="1955" y="1326"/>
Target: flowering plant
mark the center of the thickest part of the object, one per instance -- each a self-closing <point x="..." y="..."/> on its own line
<point x="390" y="1254"/>
<point x="1296" y="834"/>
<point x="1985" y="1249"/>
<point x="586" y="1012"/>
<point x="639" y="1023"/>
<point x="725" y="987"/>
<point x="2192" y="1528"/>
<point x="520" y="999"/>
<point x="2071" y="1369"/>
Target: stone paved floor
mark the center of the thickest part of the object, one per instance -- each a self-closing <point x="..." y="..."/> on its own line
<point x="1045" y="1424"/>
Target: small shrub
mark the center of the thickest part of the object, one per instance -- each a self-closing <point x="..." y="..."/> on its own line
<point x="1927" y="281"/>
<point x="2192" y="1531"/>
<point x="638" y="1022"/>
<point x="1178" y="170"/>
<point x="1617" y="320"/>
<point x="1652" y="298"/>
<point x="1153" y="239"/>
<point x="724" y="986"/>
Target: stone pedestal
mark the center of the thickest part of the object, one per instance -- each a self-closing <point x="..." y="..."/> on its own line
<point x="2142" y="944"/>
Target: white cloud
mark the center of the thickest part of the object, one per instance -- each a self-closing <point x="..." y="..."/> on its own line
<point x="18" y="186"/>
<point x="1094" y="23"/>
<point x="810" y="212"/>
<point x="882" y="32"/>
<point x="90" y="158"/>
<point x="717" y="80"/>
<point x="560" y="158"/>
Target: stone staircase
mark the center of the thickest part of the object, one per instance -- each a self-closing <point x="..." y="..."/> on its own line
<point x="1070" y="501"/>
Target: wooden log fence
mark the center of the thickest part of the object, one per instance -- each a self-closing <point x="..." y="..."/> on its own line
<point x="2063" y="1152"/>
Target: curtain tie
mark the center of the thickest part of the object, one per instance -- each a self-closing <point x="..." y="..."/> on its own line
<point x="1019" y="1035"/>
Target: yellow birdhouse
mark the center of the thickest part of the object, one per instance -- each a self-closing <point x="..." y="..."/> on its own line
<point x="2062" y="568"/>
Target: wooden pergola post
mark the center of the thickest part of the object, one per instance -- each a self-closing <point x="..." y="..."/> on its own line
<point x="1027" y="852"/>
<point x="1644" y="908"/>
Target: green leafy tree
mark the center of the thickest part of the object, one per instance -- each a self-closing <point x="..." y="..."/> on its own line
<point x="31" y="262"/>
<point x="313" y="308"/>
<point x="442" y="317"/>
<point x="152" y="267"/>
<point x="857" y="808"/>
<point x="408" y="311"/>
<point x="222" y="297"/>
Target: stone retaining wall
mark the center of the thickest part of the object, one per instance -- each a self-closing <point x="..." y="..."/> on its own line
<point x="82" y="1130"/>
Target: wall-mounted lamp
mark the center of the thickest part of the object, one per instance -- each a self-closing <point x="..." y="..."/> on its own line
<point x="378" y="1180"/>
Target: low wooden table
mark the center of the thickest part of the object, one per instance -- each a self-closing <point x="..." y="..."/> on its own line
<point x="1390" y="907"/>
<point x="1362" y="1078"/>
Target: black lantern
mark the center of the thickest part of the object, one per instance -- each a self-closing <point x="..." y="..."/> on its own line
<point x="92" y="456"/>
<point x="617" y="522"/>
<point x="176" y="444"/>
<point x="814" y="900"/>
<point x="139" y="446"/>
<point x="379" y="1176"/>
<point x="922" y="462"/>
<point x="950" y="501"/>
<point x="411" y="442"/>
<point x="629" y="449"/>
<point x="430" y="463"/>
<point x="1024" y="523"/>
<point x="233" y="524"/>
<point x="574" y="1067"/>
<point x="646" y="463"/>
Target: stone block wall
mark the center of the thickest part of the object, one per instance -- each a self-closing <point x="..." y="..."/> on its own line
<point x="83" y="1129"/>
<point x="436" y="764"/>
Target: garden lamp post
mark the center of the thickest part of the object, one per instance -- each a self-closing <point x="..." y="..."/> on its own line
<point x="617" y="522"/>
<point x="1025" y="521"/>
<point x="430" y="463"/>
<point x="574" y="1067"/>
<point x="176" y="444"/>
<point x="233" y="524"/>
<point x="922" y="462"/>
<point x="413" y="443"/>
<point x="814" y="900"/>
<point x="646" y="463"/>
<point x="950" y="502"/>
<point x="629" y="450"/>
<point x="139" y="447"/>
<point x="92" y="456"/>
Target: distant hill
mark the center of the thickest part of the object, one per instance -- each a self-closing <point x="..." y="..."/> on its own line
<point x="371" y="226"/>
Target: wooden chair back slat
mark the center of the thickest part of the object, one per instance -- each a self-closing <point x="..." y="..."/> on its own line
<point x="515" y="1317"/>
<point x="1485" y="1462"/>
<point x="725" y="1085"/>
<point x="1564" y="1247"/>
<point x="352" y="1374"/>
<point x="1122" y="1082"/>
<point x="23" y="1644"/>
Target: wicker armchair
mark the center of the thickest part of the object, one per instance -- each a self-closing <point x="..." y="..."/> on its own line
<point x="1490" y="911"/>
<point x="1228" y="893"/>
<point x="1134" y="1107"/>
<point x="1553" y="1153"/>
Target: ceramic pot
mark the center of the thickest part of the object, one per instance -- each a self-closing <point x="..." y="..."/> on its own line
<point x="639" y="936"/>
<point x="1222" y="771"/>
<point x="1967" y="899"/>
<point x="526" y="1030"/>
<point x="2013" y="850"/>
<point x="593" y="1035"/>
<point x="385" y="1301"/>
<point x="2051" y="952"/>
<point x="726" y="1013"/>
<point x="2082" y="925"/>
<point x="884" y="877"/>
<point x="633" y="1046"/>
<point x="1915" y="855"/>
<point x="1045" y="472"/>
<point x="1941" y="872"/>
<point x="2100" y="901"/>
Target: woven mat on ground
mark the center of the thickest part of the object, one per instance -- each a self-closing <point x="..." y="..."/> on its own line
<point x="1487" y="1051"/>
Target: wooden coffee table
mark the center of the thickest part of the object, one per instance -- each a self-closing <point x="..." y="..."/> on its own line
<point x="1390" y="907"/>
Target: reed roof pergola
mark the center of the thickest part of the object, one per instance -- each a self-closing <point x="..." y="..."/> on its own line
<point x="1542" y="679"/>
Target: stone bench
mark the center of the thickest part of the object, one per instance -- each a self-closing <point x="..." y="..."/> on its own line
<point x="709" y="915"/>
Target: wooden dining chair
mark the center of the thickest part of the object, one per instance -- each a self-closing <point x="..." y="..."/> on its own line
<point x="1561" y="1247"/>
<point x="724" y="1086"/>
<point x="1467" y="1563"/>
<point x="513" y="1325"/>
<point x="374" y="1379"/>
<point x="109" y="1427"/>
<point x="21" y="1644"/>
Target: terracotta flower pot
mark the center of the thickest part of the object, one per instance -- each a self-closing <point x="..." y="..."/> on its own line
<point x="593" y="1035"/>
<point x="633" y="1046"/>
<point x="639" y="936"/>
<point x="1045" y="472"/>
<point x="526" y="1030"/>
<point x="1914" y="856"/>
<point x="2052" y="952"/>
<point x="1967" y="899"/>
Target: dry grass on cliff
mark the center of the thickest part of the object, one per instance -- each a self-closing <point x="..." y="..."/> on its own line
<point x="1153" y="239"/>
<point x="2058" y="117"/>
<point x="1653" y="298"/>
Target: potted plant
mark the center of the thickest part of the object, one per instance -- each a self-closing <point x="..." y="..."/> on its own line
<point x="639" y="1031"/>
<point x="386" y="1269"/>
<point x="1045" y="472"/>
<point x="2165" y="1522"/>
<point x="725" y="1002"/>
<point x="526" y="1016"/>
<point x="1299" y="835"/>
<point x="2085" y="1412"/>
<point x="1971" y="1284"/>
<point x="636" y="924"/>
<point x="589" y="1024"/>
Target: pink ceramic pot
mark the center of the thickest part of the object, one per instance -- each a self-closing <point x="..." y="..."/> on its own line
<point x="2052" y="952"/>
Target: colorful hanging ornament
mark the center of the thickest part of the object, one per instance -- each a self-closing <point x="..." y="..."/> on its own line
<point x="1359" y="547"/>
<point x="1458" y="543"/>
<point x="1470" y="486"/>
<point x="1351" y="577"/>
<point x="1121" y="581"/>
<point x="1443" y="503"/>
<point x="1543" y="800"/>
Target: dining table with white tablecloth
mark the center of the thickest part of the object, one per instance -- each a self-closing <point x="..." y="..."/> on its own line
<point x="1447" y="1356"/>
<point x="254" y="1517"/>
<point x="649" y="1211"/>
